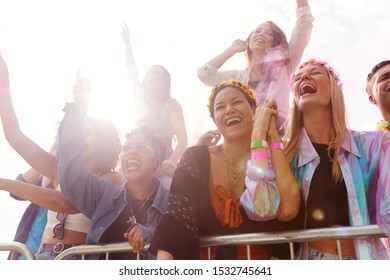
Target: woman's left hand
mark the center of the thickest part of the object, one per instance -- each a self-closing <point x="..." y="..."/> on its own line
<point x="135" y="238"/>
<point x="262" y="119"/>
<point x="82" y="89"/>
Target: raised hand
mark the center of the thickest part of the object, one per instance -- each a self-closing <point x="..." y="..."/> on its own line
<point x="239" y="46"/>
<point x="210" y="138"/>
<point x="82" y="89"/>
<point x="125" y="34"/>
<point x="273" y="134"/>
<point x="262" y="119"/>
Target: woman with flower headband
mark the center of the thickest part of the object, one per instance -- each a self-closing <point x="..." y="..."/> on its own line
<point x="210" y="180"/>
<point x="343" y="174"/>
<point x="378" y="88"/>
<point x="270" y="60"/>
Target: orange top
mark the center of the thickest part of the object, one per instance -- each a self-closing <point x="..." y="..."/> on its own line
<point x="227" y="210"/>
<point x="226" y="206"/>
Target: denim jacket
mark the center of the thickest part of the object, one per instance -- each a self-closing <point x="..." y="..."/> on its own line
<point x="365" y="167"/>
<point x="100" y="200"/>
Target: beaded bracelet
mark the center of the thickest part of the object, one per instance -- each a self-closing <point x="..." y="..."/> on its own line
<point x="230" y="51"/>
<point x="276" y="145"/>
<point x="4" y="90"/>
<point x="259" y="155"/>
<point x="259" y="143"/>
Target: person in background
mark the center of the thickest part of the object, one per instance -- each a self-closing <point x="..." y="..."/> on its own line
<point x="210" y="181"/>
<point x="343" y="174"/>
<point x="34" y="219"/>
<point x="131" y="211"/>
<point x="378" y="90"/>
<point x="270" y="60"/>
<point x="65" y="227"/>
<point x="157" y="110"/>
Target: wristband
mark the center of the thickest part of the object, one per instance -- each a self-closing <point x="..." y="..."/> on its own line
<point x="4" y="90"/>
<point x="230" y="51"/>
<point x="259" y="155"/>
<point x="259" y="143"/>
<point x="276" y="145"/>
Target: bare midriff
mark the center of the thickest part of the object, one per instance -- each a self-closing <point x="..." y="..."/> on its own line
<point x="70" y="237"/>
<point x="330" y="246"/>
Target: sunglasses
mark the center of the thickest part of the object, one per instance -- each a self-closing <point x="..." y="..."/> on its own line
<point x="142" y="148"/>
<point x="59" y="228"/>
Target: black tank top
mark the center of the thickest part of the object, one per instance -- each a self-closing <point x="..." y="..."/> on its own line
<point x="327" y="203"/>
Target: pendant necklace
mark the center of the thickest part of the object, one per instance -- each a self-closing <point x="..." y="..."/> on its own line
<point x="231" y="173"/>
<point x="256" y="75"/>
<point x="133" y="218"/>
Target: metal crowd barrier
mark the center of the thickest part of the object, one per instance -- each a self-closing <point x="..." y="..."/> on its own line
<point x="290" y="237"/>
<point x="18" y="247"/>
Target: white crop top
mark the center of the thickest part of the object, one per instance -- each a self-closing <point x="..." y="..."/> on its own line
<point x="77" y="222"/>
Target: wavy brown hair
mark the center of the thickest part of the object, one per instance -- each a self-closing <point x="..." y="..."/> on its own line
<point x="279" y="38"/>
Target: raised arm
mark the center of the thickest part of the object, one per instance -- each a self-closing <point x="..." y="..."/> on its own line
<point x="44" y="197"/>
<point x="287" y="185"/>
<point x="34" y="155"/>
<point x="209" y="74"/>
<point x="131" y="67"/>
<point x="78" y="183"/>
<point x="301" y="33"/>
<point x="270" y="182"/>
<point x="176" y="118"/>
<point x="302" y="3"/>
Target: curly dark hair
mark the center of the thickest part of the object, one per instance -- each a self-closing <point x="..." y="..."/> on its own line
<point x="107" y="145"/>
<point x="154" y="140"/>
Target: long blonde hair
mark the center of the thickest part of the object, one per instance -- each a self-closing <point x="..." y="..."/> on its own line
<point x="339" y="130"/>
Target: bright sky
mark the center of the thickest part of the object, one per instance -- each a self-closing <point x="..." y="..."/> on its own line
<point x="43" y="43"/>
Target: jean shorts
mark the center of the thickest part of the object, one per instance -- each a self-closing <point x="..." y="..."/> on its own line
<point x="315" y="254"/>
<point x="50" y="254"/>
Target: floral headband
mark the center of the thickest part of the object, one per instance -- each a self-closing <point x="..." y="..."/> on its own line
<point x="324" y="64"/>
<point x="233" y="83"/>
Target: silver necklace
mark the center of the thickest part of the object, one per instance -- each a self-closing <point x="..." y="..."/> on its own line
<point x="133" y="218"/>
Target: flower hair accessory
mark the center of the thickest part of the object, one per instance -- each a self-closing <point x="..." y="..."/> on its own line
<point x="382" y="125"/>
<point x="234" y="83"/>
<point x="324" y="64"/>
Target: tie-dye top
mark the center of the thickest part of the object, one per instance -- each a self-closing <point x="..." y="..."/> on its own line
<point x="281" y="62"/>
<point x="365" y="165"/>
